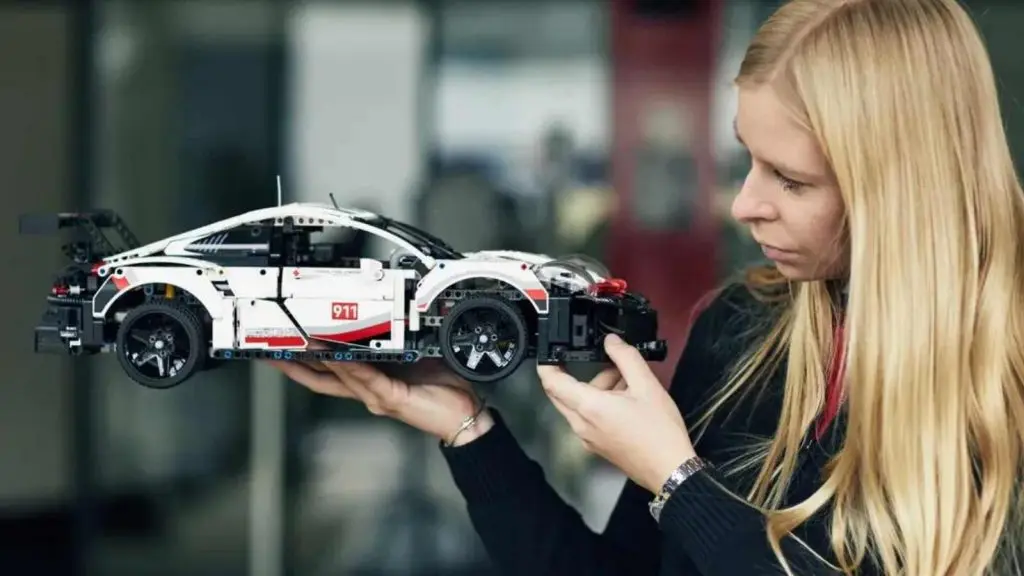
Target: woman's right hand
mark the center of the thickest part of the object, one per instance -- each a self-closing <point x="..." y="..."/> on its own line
<point x="425" y="395"/>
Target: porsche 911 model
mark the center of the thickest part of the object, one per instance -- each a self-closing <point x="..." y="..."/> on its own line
<point x="281" y="282"/>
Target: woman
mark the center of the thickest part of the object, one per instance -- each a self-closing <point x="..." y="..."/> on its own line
<point x="861" y="399"/>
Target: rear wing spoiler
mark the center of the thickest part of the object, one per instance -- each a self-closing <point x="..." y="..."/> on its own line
<point x="93" y="230"/>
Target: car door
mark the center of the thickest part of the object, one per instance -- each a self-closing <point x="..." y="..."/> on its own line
<point x="352" y="305"/>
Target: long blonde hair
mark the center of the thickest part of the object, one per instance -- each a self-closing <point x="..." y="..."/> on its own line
<point x="901" y="97"/>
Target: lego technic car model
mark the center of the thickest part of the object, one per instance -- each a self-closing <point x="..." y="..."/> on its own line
<point x="280" y="282"/>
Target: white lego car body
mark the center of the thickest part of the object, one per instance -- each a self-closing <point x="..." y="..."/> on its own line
<point x="276" y="282"/>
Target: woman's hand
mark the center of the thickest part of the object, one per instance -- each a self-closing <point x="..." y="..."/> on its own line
<point x="623" y="415"/>
<point x="425" y="395"/>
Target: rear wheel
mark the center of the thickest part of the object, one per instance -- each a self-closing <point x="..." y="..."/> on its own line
<point x="160" y="344"/>
<point x="483" y="339"/>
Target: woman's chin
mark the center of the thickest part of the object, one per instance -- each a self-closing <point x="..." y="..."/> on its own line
<point x="801" y="272"/>
<point x="795" y="272"/>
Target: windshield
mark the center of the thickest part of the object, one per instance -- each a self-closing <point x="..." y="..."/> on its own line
<point x="425" y="241"/>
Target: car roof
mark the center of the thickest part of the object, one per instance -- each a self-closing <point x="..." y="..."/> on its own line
<point x="314" y="212"/>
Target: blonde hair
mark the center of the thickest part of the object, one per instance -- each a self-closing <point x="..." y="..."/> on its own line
<point x="902" y="100"/>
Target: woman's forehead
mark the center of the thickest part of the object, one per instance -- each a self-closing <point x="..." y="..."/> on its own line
<point x="771" y="134"/>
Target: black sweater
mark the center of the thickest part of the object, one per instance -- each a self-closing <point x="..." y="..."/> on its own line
<point x="527" y="529"/>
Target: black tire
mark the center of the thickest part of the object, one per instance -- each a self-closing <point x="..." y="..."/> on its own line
<point x="146" y="333"/>
<point x="497" y="329"/>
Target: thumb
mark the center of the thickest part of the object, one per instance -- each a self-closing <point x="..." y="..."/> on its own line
<point x="631" y="364"/>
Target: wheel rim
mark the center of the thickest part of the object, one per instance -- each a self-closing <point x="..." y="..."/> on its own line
<point x="484" y="341"/>
<point x="157" y="347"/>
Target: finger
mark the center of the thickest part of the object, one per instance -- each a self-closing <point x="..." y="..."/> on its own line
<point x="319" y="382"/>
<point x="608" y="379"/>
<point x="368" y="384"/>
<point x="627" y="359"/>
<point x="366" y="372"/>
<point x="560" y="386"/>
<point x="316" y="365"/>
<point x="352" y="370"/>
<point x="571" y="417"/>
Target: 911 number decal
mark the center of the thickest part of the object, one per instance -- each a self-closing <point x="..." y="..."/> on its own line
<point x="345" y="311"/>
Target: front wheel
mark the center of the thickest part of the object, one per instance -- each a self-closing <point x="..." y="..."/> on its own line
<point x="483" y="339"/>
<point x="160" y="345"/>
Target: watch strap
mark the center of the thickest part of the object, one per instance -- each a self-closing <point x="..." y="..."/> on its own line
<point x="675" y="479"/>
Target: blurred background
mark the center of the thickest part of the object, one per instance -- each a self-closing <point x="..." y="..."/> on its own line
<point x="557" y="126"/>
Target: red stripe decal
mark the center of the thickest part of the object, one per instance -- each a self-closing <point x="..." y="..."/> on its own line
<point x="277" y="341"/>
<point x="358" y="334"/>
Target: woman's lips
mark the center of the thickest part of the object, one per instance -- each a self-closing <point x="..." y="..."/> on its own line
<point x="777" y="254"/>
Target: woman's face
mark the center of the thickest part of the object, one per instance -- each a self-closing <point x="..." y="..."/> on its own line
<point x="790" y="199"/>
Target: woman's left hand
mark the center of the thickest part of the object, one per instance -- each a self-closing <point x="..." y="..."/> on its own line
<point x="623" y="415"/>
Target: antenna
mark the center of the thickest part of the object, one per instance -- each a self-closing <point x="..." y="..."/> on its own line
<point x="333" y="201"/>
<point x="278" y="189"/>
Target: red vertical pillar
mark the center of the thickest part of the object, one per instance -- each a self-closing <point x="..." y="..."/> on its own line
<point x="663" y="238"/>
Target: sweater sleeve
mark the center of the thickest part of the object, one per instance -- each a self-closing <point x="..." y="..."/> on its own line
<point x="719" y="531"/>
<point x="527" y="528"/>
<point x="711" y="524"/>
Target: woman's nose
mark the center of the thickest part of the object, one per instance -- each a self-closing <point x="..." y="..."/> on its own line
<point x="750" y="206"/>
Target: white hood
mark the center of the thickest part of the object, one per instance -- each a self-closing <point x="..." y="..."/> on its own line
<point x="553" y="274"/>
<point x="498" y="255"/>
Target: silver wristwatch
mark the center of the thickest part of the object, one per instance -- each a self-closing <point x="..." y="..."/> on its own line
<point x="678" y="476"/>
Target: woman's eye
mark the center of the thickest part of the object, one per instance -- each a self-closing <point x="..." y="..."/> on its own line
<point x="788" y="184"/>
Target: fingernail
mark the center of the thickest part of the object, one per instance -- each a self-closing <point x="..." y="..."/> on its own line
<point x="613" y="338"/>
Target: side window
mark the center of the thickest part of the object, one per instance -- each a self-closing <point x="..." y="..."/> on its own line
<point x="393" y="254"/>
<point x="329" y="247"/>
<point x="402" y="259"/>
<point x="246" y="245"/>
